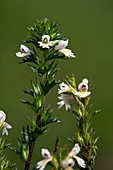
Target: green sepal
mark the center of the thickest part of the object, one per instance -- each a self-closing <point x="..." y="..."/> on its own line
<point x="71" y="81"/>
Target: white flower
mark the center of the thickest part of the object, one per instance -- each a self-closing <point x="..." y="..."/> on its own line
<point x="65" y="100"/>
<point x="24" y="51"/>
<point x="63" y="88"/>
<point x="61" y="47"/>
<point x="46" y="43"/>
<point x="47" y="158"/>
<point x="75" y="150"/>
<point x="68" y="163"/>
<point x="83" y="89"/>
<point x="61" y="44"/>
<point x="3" y="124"/>
<point x="67" y="53"/>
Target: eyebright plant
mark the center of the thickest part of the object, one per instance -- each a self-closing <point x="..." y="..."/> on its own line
<point x="42" y="49"/>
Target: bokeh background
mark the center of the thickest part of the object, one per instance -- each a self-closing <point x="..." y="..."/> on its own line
<point x="88" y="24"/>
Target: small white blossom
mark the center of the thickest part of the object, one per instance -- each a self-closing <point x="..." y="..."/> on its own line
<point x="24" y="51"/>
<point x="65" y="100"/>
<point x="83" y="89"/>
<point x="3" y="124"/>
<point x="63" y="88"/>
<point x="46" y="43"/>
<point x="61" y="47"/>
<point x="75" y="150"/>
<point x="47" y="158"/>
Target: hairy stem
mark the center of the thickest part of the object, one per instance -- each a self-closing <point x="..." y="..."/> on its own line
<point x="28" y="161"/>
<point x="31" y="148"/>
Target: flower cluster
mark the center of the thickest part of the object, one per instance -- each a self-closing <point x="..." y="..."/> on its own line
<point x="67" y="93"/>
<point x="46" y="43"/>
<point x="3" y="125"/>
<point x="67" y="164"/>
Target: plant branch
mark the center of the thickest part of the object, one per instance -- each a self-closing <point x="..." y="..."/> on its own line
<point x="31" y="148"/>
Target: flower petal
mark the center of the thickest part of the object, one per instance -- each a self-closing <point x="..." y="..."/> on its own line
<point x="46" y="37"/>
<point x="20" y="54"/>
<point x="65" y="100"/>
<point x="2" y="116"/>
<point x="80" y="161"/>
<point x="24" y="49"/>
<point x="46" y="154"/>
<point x="61" y="44"/>
<point x="75" y="150"/>
<point x="7" y="125"/>
<point x="67" y="53"/>
<point x="4" y="131"/>
<point x="83" y="94"/>
<point x="63" y="88"/>
<point x="41" y="164"/>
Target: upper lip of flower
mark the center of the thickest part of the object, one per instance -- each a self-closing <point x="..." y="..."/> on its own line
<point x="46" y="154"/>
<point x="45" y="38"/>
<point x="75" y="150"/>
<point x="61" y="44"/>
<point x="63" y="88"/>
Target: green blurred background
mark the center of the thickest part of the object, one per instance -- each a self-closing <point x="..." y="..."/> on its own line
<point x="89" y="26"/>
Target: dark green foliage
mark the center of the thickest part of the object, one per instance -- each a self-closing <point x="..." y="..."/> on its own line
<point x="44" y="27"/>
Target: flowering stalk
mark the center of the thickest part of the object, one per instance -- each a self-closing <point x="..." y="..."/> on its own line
<point x="81" y="109"/>
<point x="46" y="46"/>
